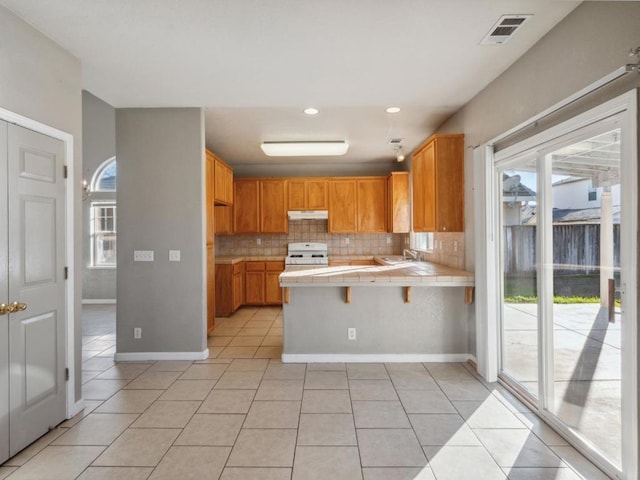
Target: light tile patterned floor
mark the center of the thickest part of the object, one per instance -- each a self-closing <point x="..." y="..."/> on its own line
<point x="242" y="414"/>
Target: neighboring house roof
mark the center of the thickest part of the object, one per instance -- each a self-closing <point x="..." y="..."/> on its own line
<point x="561" y="215"/>
<point x="512" y="190"/>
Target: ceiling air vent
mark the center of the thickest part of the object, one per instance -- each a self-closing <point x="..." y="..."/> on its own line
<point x="395" y="141"/>
<point x="504" y="29"/>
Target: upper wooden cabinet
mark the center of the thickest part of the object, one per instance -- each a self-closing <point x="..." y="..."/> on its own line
<point x="438" y="185"/>
<point x="246" y="208"/>
<point x="223" y="220"/>
<point x="372" y="199"/>
<point x="223" y="182"/>
<point x="308" y="194"/>
<point x="273" y="206"/>
<point x="260" y="206"/>
<point x="398" y="206"/>
<point x="209" y="172"/>
<point x="357" y="205"/>
<point x="343" y="206"/>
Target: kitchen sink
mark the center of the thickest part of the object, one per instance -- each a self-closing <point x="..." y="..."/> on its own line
<point x="394" y="259"/>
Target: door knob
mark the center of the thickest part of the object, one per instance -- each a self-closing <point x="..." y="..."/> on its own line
<point x="3" y="308"/>
<point x="17" y="307"/>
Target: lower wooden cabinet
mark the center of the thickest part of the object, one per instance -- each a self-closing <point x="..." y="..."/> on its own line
<point x="247" y="283"/>
<point x="262" y="285"/>
<point x="211" y="288"/>
<point x="273" y="291"/>
<point x="254" y="283"/>
<point x="238" y="285"/>
<point x="229" y="288"/>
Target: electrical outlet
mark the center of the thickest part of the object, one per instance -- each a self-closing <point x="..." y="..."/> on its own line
<point x="137" y="333"/>
<point x="143" y="256"/>
<point x="174" y="255"/>
<point x="258" y="241"/>
<point x="455" y="246"/>
<point x="346" y="241"/>
<point x="351" y="333"/>
<point x="388" y="239"/>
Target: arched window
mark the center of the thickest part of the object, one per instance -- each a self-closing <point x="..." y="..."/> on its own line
<point x="103" y="215"/>
<point x="104" y="180"/>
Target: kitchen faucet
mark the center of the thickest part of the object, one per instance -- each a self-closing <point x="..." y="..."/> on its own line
<point x="412" y="254"/>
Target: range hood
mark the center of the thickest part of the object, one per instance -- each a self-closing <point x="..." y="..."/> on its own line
<point x="308" y="214"/>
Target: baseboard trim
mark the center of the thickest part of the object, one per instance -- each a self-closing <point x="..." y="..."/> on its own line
<point x="142" y="356"/>
<point x="374" y="357"/>
<point x="75" y="408"/>
<point x="98" y="301"/>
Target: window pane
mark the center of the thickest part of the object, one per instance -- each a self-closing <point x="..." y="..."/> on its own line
<point x="422" y="241"/>
<point x="586" y="394"/>
<point x="106" y="181"/>
<point x="105" y="249"/>
<point x="103" y="221"/>
<point x="520" y="277"/>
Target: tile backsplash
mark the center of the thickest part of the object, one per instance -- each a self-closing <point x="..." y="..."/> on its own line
<point x="311" y="231"/>
<point x="448" y="249"/>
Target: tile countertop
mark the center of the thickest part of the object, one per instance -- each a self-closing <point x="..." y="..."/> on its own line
<point x="231" y="259"/>
<point x="390" y="271"/>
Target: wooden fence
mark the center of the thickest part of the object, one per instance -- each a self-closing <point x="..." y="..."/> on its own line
<point x="576" y="248"/>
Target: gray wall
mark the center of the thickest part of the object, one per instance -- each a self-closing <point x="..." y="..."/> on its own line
<point x="316" y="321"/>
<point x="99" y="144"/>
<point x="41" y="81"/>
<point x="588" y="44"/>
<point x="161" y="203"/>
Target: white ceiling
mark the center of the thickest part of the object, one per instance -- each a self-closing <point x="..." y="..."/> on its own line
<point x="254" y="65"/>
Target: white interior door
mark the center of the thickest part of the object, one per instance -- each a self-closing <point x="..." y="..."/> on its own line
<point x="36" y="253"/>
<point x="4" y="296"/>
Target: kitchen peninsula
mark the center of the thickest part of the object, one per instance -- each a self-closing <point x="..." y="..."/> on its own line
<point x="401" y="311"/>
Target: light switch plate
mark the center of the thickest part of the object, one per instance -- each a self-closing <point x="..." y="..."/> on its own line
<point x="143" y="256"/>
<point x="174" y="255"/>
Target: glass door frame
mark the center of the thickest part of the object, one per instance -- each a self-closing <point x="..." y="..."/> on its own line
<point x="500" y="167"/>
<point x="623" y="111"/>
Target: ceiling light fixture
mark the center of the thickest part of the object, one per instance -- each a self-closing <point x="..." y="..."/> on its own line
<point x="305" y="149"/>
<point x="399" y="153"/>
<point x="392" y="109"/>
<point x="311" y="111"/>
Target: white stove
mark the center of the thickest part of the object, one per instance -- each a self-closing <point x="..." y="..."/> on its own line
<point x="307" y="254"/>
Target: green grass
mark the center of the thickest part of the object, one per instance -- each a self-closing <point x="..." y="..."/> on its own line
<point x="556" y="299"/>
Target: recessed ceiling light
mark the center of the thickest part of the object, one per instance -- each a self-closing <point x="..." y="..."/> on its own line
<point x="311" y="111"/>
<point x="393" y="109"/>
<point x="305" y="149"/>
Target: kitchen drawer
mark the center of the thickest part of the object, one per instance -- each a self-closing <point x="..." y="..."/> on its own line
<point x="275" y="266"/>
<point x="238" y="268"/>
<point x="254" y="266"/>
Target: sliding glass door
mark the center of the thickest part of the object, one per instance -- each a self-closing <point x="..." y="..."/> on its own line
<point x="567" y="231"/>
<point x="520" y="331"/>
<point x="584" y="384"/>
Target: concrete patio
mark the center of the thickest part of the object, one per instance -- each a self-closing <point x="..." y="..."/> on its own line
<point x="587" y="367"/>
